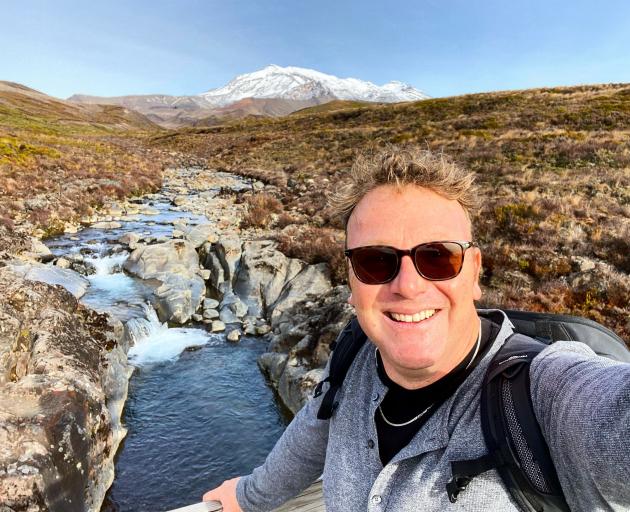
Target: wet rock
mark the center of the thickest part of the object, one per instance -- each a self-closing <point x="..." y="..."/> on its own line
<point x="210" y="314"/>
<point x="209" y="303"/>
<point x="234" y="335"/>
<point x="68" y="279"/>
<point x="106" y="225"/>
<point x="217" y="326"/>
<point x="62" y="263"/>
<point x="226" y="315"/>
<point x="228" y="253"/>
<point x="175" y="263"/>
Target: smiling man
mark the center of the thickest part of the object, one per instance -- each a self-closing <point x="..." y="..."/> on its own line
<point x="410" y="403"/>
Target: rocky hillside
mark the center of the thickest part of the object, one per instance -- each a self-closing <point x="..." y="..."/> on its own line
<point x="553" y="165"/>
<point x="58" y="160"/>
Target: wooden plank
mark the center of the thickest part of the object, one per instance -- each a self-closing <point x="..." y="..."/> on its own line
<point x="311" y="500"/>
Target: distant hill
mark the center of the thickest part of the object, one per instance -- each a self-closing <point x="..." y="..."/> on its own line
<point x="59" y="160"/>
<point x="20" y="99"/>
<point x="270" y="92"/>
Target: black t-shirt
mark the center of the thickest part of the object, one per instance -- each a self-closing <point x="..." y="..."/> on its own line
<point x="401" y="405"/>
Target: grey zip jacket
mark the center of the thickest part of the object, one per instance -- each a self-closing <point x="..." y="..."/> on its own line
<point x="581" y="400"/>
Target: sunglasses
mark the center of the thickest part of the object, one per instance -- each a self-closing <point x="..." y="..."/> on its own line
<point x="435" y="261"/>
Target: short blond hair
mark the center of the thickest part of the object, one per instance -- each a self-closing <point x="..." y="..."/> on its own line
<point x="401" y="166"/>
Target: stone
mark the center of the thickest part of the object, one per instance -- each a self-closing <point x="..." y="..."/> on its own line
<point x="238" y="308"/>
<point x="131" y="240"/>
<point x="228" y="251"/>
<point x="197" y="317"/>
<point x="261" y="330"/>
<point x="76" y="284"/>
<point x="313" y="281"/>
<point x="200" y="234"/>
<point x="258" y="186"/>
<point x="69" y="387"/>
<point x="62" y="263"/>
<point x="180" y="200"/>
<point x="177" y="233"/>
<point x="262" y="275"/>
<point x="234" y="335"/>
<point x="226" y="315"/>
<point x="205" y="274"/>
<point x="176" y="265"/>
<point x="218" y="326"/>
<point x="210" y="314"/>
<point x="209" y="303"/>
<point x="106" y="225"/>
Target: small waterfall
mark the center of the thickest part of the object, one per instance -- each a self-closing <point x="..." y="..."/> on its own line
<point x="154" y="342"/>
<point x="108" y="264"/>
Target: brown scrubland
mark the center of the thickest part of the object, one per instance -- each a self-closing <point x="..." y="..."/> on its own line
<point x="553" y="166"/>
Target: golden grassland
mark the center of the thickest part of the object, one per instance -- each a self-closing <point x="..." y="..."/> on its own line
<point x="553" y="166"/>
<point x="59" y="161"/>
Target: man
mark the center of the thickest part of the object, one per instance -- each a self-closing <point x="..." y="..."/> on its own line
<point x="409" y="404"/>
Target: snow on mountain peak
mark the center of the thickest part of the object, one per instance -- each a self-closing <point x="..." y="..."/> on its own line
<point x="296" y="83"/>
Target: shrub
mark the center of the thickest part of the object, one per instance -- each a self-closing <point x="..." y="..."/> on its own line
<point x="260" y="207"/>
<point x="316" y="245"/>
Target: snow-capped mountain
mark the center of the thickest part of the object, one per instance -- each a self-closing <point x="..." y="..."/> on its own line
<point x="295" y="83"/>
<point x="272" y="91"/>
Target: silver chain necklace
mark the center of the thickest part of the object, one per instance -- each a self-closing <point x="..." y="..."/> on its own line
<point x="409" y="422"/>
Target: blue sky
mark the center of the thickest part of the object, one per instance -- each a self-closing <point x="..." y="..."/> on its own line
<point x="444" y="47"/>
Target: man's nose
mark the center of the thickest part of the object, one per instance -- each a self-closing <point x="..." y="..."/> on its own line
<point x="408" y="283"/>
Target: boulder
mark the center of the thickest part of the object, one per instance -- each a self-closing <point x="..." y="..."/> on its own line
<point x="60" y="364"/>
<point x="200" y="234"/>
<point x="228" y="251"/>
<point x="68" y="279"/>
<point x="263" y="273"/>
<point x="209" y="303"/>
<point x="314" y="281"/>
<point x="106" y="225"/>
<point x="175" y="263"/>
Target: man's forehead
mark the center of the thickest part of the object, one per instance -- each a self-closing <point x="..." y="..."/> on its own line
<point x="410" y="211"/>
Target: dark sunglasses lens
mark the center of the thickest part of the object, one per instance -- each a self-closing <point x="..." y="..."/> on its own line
<point x="374" y="265"/>
<point x="442" y="260"/>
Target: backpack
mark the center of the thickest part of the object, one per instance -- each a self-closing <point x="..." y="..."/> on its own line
<point x="517" y="448"/>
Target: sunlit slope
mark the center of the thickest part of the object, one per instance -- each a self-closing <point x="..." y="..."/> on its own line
<point x="58" y="159"/>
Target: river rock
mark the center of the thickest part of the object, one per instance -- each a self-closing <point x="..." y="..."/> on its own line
<point x="234" y="335"/>
<point x="228" y="251"/>
<point x="226" y="315"/>
<point x="313" y="281"/>
<point x="106" y="225"/>
<point x="217" y="326"/>
<point x="180" y="200"/>
<point x="59" y="366"/>
<point x="68" y="279"/>
<point x="200" y="234"/>
<point x="210" y="314"/>
<point x="62" y="263"/>
<point x="209" y="303"/>
<point x="176" y="265"/>
<point x="131" y="240"/>
<point x="263" y="272"/>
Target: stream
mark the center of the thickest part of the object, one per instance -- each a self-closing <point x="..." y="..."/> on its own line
<point x="198" y="410"/>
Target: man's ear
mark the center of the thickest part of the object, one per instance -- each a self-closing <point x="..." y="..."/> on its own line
<point x="477" y="273"/>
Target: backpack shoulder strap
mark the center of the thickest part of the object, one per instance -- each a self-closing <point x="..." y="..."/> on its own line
<point x="511" y="429"/>
<point x="517" y="447"/>
<point x="345" y="348"/>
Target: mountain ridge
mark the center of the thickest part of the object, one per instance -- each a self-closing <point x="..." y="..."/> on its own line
<point x="289" y="89"/>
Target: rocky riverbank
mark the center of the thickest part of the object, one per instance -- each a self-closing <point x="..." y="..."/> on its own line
<point x="64" y="369"/>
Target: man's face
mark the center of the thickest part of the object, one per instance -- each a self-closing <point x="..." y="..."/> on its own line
<point x="415" y="353"/>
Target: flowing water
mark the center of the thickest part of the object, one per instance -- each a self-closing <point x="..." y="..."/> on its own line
<point x="199" y="411"/>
